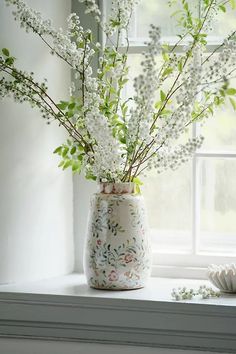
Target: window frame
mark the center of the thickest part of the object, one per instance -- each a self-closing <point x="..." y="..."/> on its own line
<point x="195" y="263"/>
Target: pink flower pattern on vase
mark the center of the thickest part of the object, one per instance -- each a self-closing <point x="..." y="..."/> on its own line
<point x="113" y="276"/>
<point x="117" y="254"/>
<point x="128" y="258"/>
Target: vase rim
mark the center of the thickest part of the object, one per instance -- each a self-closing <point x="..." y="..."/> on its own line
<point x="117" y="187"/>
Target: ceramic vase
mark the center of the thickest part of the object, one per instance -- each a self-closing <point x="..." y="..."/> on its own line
<point x="117" y="253"/>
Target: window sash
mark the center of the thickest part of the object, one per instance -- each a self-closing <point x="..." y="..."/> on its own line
<point x="193" y="262"/>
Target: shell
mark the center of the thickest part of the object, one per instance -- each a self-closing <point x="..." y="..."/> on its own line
<point x="223" y="276"/>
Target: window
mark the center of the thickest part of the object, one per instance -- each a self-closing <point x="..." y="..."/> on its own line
<point x="192" y="211"/>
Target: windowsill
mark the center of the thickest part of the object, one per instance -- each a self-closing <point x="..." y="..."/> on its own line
<point x="66" y="308"/>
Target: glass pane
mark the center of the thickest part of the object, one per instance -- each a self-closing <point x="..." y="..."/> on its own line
<point x="168" y="200"/>
<point x="170" y="223"/>
<point x="223" y="24"/>
<point x="220" y="129"/>
<point x="217" y="229"/>
<point x="156" y="12"/>
<point x="135" y="69"/>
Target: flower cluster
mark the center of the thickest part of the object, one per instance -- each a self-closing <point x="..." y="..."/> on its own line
<point x="106" y="158"/>
<point x="120" y="15"/>
<point x="30" y="19"/>
<point x="92" y="8"/>
<point x="23" y="88"/>
<point x="145" y="86"/>
<point x="176" y="156"/>
<point x="188" y="294"/>
<point x="68" y="46"/>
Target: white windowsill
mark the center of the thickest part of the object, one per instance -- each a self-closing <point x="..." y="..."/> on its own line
<point x="66" y="309"/>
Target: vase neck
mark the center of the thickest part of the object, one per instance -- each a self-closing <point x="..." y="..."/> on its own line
<point x="117" y="188"/>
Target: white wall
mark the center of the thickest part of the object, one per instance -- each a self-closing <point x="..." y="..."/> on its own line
<point x="36" y="226"/>
<point x="83" y="190"/>
<point x="19" y="346"/>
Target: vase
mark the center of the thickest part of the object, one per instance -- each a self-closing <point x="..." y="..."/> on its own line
<point x="117" y="253"/>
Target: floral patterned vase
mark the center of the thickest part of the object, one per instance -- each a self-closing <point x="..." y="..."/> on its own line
<point x="117" y="254"/>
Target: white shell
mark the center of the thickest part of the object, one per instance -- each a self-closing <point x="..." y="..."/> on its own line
<point x="223" y="276"/>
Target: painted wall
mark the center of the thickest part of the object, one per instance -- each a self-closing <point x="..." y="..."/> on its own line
<point x="19" y="346"/>
<point x="36" y="226"/>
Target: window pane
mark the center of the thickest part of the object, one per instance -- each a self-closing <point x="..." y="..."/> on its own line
<point x="217" y="205"/>
<point x="220" y="129"/>
<point x="168" y="200"/>
<point x="170" y="222"/>
<point x="159" y="13"/>
<point x="156" y="12"/>
<point x="223" y="24"/>
<point x="151" y="12"/>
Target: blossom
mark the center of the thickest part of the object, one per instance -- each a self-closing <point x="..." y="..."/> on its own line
<point x="120" y="14"/>
<point x="60" y="43"/>
<point x="173" y="157"/>
<point x="145" y="86"/>
<point x="92" y="8"/>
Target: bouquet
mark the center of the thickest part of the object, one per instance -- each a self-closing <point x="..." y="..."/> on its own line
<point x="113" y="137"/>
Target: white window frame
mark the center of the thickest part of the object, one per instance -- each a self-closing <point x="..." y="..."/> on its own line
<point x="193" y="264"/>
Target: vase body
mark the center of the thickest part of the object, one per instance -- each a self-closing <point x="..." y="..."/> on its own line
<point x="117" y="253"/>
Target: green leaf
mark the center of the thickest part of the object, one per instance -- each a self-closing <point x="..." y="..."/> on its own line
<point x="65" y="151"/>
<point x="222" y="92"/>
<point x="124" y="110"/>
<point x="80" y="157"/>
<point x="76" y="166"/>
<point x="70" y="114"/>
<point x="222" y="8"/>
<point x="122" y="139"/>
<point x="186" y="6"/>
<point x="162" y="95"/>
<point x="123" y="82"/>
<point x="90" y="36"/>
<point x="231" y="91"/>
<point x="167" y="71"/>
<point x="166" y="112"/>
<point x="217" y="101"/>
<point x="62" y="105"/>
<point x="67" y="164"/>
<point x="61" y="164"/>
<point x="9" y="61"/>
<point x="233" y="103"/>
<point x="165" y="56"/>
<point x="89" y="176"/>
<point x="73" y="150"/>
<point x="58" y="150"/>
<point x="115" y="23"/>
<point x="5" y="52"/>
<point x="180" y="66"/>
<point x="137" y="183"/>
<point x="210" y="110"/>
<point x="158" y="105"/>
<point x="72" y="105"/>
<point x="233" y="4"/>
